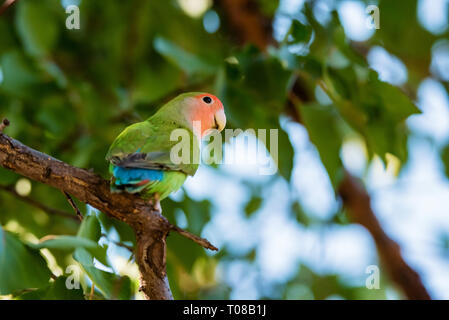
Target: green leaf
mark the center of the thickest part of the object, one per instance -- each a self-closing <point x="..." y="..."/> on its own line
<point x="375" y="109"/>
<point x="326" y="285"/>
<point x="397" y="20"/>
<point x="343" y="44"/>
<point x="57" y="290"/>
<point x="285" y="155"/>
<point x="445" y="158"/>
<point x="300" y="32"/>
<point x="396" y="103"/>
<point x="7" y="40"/>
<point x="197" y="212"/>
<point x="311" y="65"/>
<point x="153" y="83"/>
<point x="181" y="252"/>
<point x="321" y="124"/>
<point x="66" y="243"/>
<point x="185" y="60"/>
<point x="268" y="7"/>
<point x="300" y="215"/>
<point x="253" y="205"/>
<point x="19" y="76"/>
<point x="21" y="267"/>
<point x="58" y="121"/>
<point x="267" y="77"/>
<point x="341" y="218"/>
<point x="37" y="26"/>
<point x="110" y="285"/>
<point x="125" y="232"/>
<point x="253" y="88"/>
<point x="90" y="228"/>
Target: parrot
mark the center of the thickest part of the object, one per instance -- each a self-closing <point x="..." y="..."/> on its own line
<point x="139" y="158"/>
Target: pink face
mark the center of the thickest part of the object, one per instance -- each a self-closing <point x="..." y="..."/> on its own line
<point x="209" y="111"/>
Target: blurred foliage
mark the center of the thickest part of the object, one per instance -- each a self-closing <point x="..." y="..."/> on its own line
<point x="16" y="258"/>
<point x="310" y="285"/>
<point x="68" y="93"/>
<point x="57" y="290"/>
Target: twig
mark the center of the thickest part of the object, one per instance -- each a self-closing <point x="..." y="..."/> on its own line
<point x="4" y="124"/>
<point x="119" y="244"/>
<point x="74" y="206"/>
<point x="37" y="204"/>
<point x="201" y="241"/>
<point x="92" y="291"/>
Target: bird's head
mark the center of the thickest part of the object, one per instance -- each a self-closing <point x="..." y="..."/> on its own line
<point x="209" y="111"/>
<point x="198" y="108"/>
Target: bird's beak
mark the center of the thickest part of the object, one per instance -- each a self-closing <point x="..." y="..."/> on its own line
<point x="220" y="120"/>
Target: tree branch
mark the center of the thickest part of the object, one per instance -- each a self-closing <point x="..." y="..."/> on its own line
<point x="150" y="227"/>
<point x="201" y="241"/>
<point x="353" y="194"/>
<point x="73" y="205"/>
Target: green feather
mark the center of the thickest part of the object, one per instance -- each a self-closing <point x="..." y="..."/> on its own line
<point x="147" y="145"/>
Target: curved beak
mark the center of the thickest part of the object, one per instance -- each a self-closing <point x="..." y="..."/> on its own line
<point x="220" y="120"/>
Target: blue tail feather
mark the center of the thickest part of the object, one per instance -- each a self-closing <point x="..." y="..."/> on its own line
<point x="130" y="176"/>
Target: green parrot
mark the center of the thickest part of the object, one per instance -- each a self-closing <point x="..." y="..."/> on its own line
<point x="140" y="156"/>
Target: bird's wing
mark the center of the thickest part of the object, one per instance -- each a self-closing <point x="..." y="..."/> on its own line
<point x="147" y="145"/>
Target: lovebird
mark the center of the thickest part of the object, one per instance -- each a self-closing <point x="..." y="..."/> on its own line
<point x="139" y="157"/>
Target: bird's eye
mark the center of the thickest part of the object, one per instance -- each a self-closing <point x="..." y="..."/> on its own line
<point x="208" y="100"/>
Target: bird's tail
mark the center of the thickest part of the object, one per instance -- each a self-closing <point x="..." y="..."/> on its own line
<point x="133" y="180"/>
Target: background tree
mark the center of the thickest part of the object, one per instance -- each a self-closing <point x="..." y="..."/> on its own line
<point x="294" y="66"/>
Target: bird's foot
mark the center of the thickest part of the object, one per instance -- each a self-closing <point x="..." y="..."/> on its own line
<point x="156" y="202"/>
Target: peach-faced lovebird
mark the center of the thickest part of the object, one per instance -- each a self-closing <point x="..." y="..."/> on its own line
<point x="139" y="157"/>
